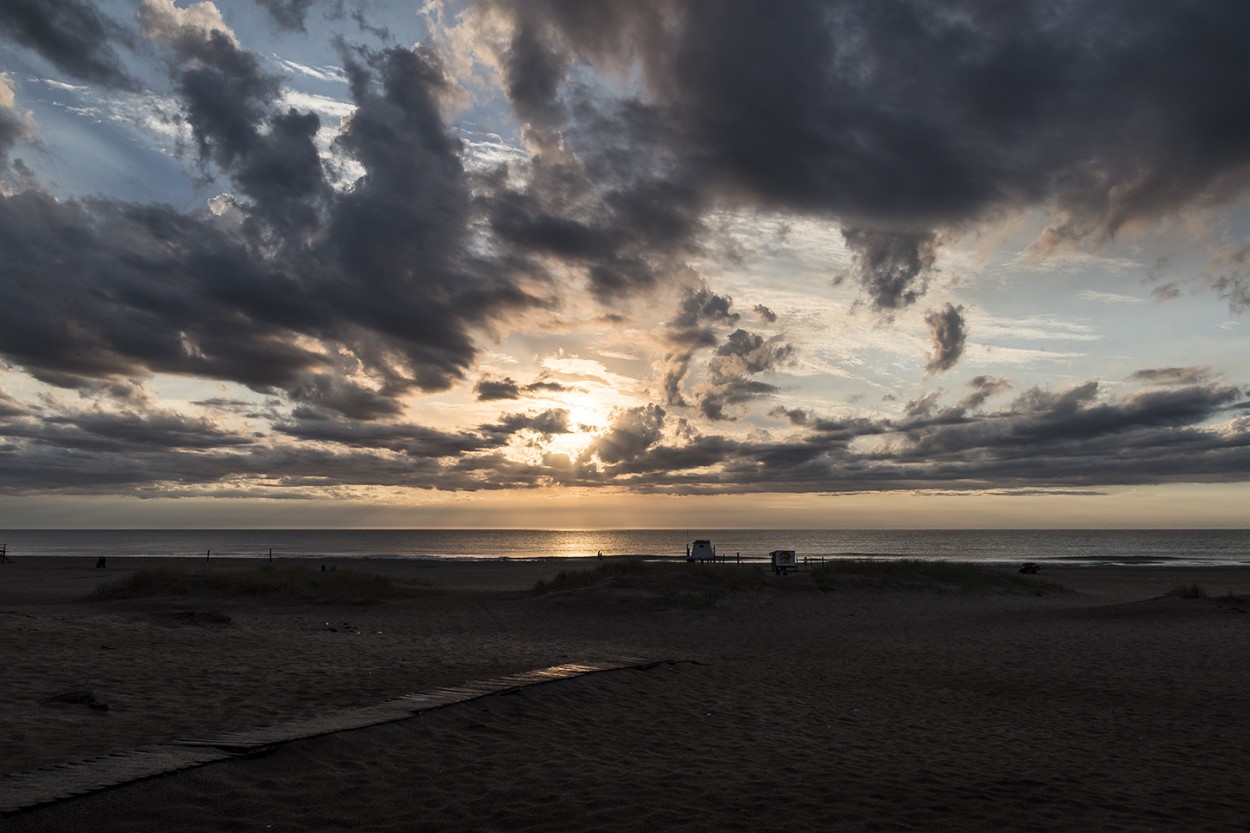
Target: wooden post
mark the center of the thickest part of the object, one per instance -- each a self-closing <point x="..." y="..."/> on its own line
<point x="271" y="555"/>
<point x="207" y="555"/>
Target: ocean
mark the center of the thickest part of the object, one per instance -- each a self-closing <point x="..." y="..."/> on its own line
<point x="1179" y="547"/>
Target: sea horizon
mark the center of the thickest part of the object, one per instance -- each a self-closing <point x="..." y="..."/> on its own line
<point x="1164" y="546"/>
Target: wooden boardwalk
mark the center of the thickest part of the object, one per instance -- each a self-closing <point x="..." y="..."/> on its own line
<point x="25" y="790"/>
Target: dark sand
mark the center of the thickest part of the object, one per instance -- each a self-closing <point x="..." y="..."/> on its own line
<point x="1102" y="709"/>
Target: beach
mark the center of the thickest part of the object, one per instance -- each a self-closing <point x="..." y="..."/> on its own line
<point x="1106" y="706"/>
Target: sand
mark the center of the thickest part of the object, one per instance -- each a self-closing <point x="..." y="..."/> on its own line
<point x="1105" y="708"/>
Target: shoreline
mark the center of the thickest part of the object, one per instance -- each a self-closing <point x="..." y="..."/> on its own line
<point x="516" y="573"/>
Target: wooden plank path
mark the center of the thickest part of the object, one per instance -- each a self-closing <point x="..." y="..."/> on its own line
<point x="25" y="790"/>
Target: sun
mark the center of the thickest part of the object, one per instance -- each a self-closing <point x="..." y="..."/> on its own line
<point x="588" y="416"/>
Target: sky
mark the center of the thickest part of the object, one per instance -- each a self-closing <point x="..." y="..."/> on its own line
<point x="664" y="263"/>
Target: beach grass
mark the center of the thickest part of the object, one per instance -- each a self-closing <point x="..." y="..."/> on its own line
<point x="1187" y="591"/>
<point x="272" y="582"/>
<point x="697" y="585"/>
<point x="926" y="574"/>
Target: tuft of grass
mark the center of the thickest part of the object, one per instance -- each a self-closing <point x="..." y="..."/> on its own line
<point x="573" y="579"/>
<point x="272" y="582"/>
<point x="926" y="574"/>
<point x="690" y="585"/>
<point x="1187" y="591"/>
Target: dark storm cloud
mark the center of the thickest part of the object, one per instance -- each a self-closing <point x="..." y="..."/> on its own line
<point x="795" y="416"/>
<point x="542" y="386"/>
<point x="278" y="473"/>
<point x="832" y="429"/>
<point x="746" y="353"/>
<point x="295" y="287"/>
<point x="421" y="441"/>
<point x="382" y="33"/>
<point x="983" y="387"/>
<point x="72" y="35"/>
<point x="600" y="191"/>
<point x="10" y="407"/>
<point x="545" y="424"/>
<point x="127" y="431"/>
<point x="1172" y="375"/>
<point x="1166" y="292"/>
<point x="535" y="69"/>
<point x="1077" y="441"/>
<point x="1044" y="439"/>
<point x="1236" y="290"/>
<point x="694" y="328"/>
<point x="632" y="432"/>
<point x="738" y="391"/>
<point x="99" y="290"/>
<point x="947" y="329"/>
<point x="701" y="317"/>
<point x="846" y="429"/>
<point x="742" y="355"/>
<point x="289" y="14"/>
<point x="891" y="266"/>
<point x="401" y="235"/>
<point x="321" y="392"/>
<point x="1075" y="438"/>
<point x="905" y="118"/>
<point x="488" y="390"/>
<point x="1229" y="274"/>
<point x="13" y="129"/>
<point x="922" y="407"/>
<point x="626" y="225"/>
<point x="698" y="309"/>
<point x="231" y="105"/>
<point x="766" y="315"/>
<point x="414" y="440"/>
<point x="152" y="431"/>
<point x="226" y="94"/>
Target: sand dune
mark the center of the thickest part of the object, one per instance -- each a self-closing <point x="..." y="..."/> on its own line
<point x="1105" y="709"/>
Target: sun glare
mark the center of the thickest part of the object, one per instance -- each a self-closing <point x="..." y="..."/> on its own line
<point x="588" y="417"/>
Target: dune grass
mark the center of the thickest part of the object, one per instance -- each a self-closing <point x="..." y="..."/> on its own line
<point x="1187" y="591"/>
<point x="926" y="574"/>
<point x="270" y="582"/>
<point x="573" y="579"/>
<point x="697" y="585"/>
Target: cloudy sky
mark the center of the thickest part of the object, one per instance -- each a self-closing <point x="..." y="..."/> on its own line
<point x="664" y="263"/>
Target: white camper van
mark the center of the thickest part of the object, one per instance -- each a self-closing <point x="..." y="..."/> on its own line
<point x="702" y="550"/>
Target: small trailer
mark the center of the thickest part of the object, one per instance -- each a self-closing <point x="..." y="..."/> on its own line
<point x="701" y="550"/>
<point x="783" y="561"/>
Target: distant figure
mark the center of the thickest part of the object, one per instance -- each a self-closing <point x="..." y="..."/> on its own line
<point x="101" y="563"/>
<point x="600" y="555"/>
<point x="323" y="568"/>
